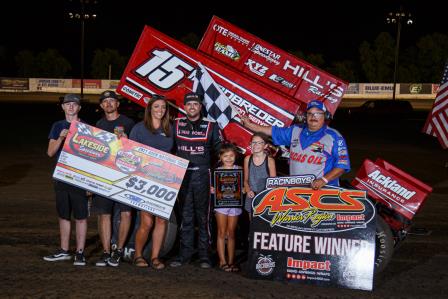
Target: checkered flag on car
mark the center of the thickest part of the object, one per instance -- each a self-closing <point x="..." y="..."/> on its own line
<point x="84" y="129"/>
<point x="106" y="136"/>
<point x="217" y="105"/>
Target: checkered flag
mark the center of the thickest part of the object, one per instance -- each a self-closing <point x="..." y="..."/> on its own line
<point x="106" y="136"/>
<point x="217" y="105"/>
<point x="84" y="129"/>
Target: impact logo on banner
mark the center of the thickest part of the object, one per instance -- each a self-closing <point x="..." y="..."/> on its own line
<point x="307" y="210"/>
<point x="89" y="146"/>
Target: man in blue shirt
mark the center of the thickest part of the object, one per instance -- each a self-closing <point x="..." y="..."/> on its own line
<point x="315" y="148"/>
<point x="68" y="198"/>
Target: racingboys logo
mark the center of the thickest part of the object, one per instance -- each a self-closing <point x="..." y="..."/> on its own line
<point x="265" y="265"/>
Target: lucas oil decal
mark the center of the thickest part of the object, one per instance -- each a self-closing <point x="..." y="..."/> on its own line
<point x="304" y="209"/>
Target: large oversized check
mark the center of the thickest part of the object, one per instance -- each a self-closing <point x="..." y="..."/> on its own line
<point x="120" y="169"/>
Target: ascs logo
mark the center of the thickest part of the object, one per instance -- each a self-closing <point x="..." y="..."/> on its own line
<point x="307" y="210"/>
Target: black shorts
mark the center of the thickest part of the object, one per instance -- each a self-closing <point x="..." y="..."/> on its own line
<point x="70" y="198"/>
<point x="103" y="205"/>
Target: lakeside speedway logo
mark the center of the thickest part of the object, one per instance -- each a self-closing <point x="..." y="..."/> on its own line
<point x="90" y="146"/>
<point x="307" y="210"/>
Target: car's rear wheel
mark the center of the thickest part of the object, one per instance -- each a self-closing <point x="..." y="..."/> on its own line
<point x="169" y="240"/>
<point x="384" y="245"/>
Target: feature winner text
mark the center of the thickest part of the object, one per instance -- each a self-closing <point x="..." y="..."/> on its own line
<point x="307" y="244"/>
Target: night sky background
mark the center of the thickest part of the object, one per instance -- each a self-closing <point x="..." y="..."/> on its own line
<point x="332" y="28"/>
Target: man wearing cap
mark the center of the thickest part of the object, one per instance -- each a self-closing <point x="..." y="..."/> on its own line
<point x="315" y="148"/>
<point x="195" y="139"/>
<point x="68" y="198"/>
<point x="121" y="125"/>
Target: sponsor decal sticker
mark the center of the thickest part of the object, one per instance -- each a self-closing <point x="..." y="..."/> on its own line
<point x="265" y="265"/>
<point x="389" y="184"/>
<point x="227" y="33"/>
<point x="266" y="53"/>
<point x="227" y="50"/>
<point x="317" y="147"/>
<point x="131" y="92"/>
<point x="256" y="68"/>
<point x="282" y="81"/>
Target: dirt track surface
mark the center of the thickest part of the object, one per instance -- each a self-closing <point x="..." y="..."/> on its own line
<point x="29" y="230"/>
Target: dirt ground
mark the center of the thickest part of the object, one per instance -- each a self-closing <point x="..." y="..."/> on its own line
<point x="29" y="230"/>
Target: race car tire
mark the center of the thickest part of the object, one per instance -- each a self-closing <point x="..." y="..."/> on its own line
<point x="384" y="245"/>
<point x="170" y="238"/>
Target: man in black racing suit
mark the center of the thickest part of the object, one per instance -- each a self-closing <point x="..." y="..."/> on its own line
<point x="195" y="139"/>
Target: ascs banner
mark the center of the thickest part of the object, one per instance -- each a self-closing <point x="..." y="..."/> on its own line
<point x="164" y="66"/>
<point x="271" y="65"/>
<point x="323" y="237"/>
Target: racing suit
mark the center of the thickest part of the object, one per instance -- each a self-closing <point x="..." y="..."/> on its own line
<point x="194" y="142"/>
<point x="314" y="153"/>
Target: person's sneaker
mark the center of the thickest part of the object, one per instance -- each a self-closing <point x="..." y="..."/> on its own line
<point x="115" y="257"/>
<point x="79" y="259"/>
<point x="102" y="262"/>
<point x="177" y="262"/>
<point x="59" y="255"/>
<point x="205" y="263"/>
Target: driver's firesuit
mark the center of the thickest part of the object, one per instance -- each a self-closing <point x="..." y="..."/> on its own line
<point x="313" y="153"/>
<point x="195" y="140"/>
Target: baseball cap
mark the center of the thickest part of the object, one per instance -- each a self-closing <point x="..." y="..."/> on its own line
<point x="71" y="98"/>
<point x="316" y="104"/>
<point x="108" y="94"/>
<point x="192" y="96"/>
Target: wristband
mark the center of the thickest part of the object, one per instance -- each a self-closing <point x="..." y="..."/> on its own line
<point x="324" y="179"/>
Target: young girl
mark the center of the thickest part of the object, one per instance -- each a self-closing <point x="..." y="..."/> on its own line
<point x="257" y="168"/>
<point x="227" y="218"/>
